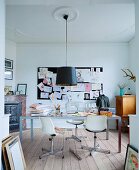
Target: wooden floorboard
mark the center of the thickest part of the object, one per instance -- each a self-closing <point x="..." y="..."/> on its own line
<point x="98" y="161"/>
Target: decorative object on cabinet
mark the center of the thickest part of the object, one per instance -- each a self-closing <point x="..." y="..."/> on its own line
<point x="91" y="83"/>
<point x="10" y="93"/>
<point x="22" y="89"/>
<point x="125" y="105"/>
<point x="122" y="87"/>
<point x="7" y="89"/>
<point x="8" y="74"/>
<point x="17" y="93"/>
<point x="131" y="160"/>
<point x="8" y="63"/>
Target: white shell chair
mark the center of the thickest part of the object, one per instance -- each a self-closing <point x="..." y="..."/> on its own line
<point x="49" y="129"/>
<point x="96" y="124"/>
<point x="76" y="123"/>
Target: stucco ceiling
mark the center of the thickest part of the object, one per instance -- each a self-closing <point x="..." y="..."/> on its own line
<point x="98" y="21"/>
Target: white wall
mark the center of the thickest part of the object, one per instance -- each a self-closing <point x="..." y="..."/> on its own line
<point x="112" y="57"/>
<point x="10" y="53"/>
<point x="134" y="64"/>
<point x="2" y="56"/>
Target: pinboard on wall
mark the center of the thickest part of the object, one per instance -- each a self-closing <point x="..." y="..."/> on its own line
<point x="89" y="84"/>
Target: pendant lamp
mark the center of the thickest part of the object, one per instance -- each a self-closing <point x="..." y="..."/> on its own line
<point x="66" y="76"/>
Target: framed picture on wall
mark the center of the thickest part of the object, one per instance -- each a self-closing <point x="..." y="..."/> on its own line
<point x="8" y="74"/>
<point x="8" y="63"/>
<point x="22" y="88"/>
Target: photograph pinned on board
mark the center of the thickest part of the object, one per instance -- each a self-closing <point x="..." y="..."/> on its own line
<point x="47" y="81"/>
<point x="41" y="86"/>
<point x="86" y="96"/>
<point x="94" y="94"/>
<point x="47" y="89"/>
<point x="44" y="95"/>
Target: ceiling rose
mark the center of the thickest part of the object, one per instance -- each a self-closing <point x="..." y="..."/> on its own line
<point x="61" y="11"/>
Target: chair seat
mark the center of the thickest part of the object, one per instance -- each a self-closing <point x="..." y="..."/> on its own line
<point x="96" y="131"/>
<point x="75" y="122"/>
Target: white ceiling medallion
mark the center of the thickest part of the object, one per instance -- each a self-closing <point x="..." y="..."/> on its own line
<point x="61" y="11"/>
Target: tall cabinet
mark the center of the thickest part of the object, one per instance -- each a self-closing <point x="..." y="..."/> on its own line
<point x="125" y="105"/>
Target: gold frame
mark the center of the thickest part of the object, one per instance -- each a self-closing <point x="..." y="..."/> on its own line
<point x="10" y="144"/>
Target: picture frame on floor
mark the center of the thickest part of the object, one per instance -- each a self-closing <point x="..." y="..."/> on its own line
<point x="15" y="154"/>
<point x="131" y="160"/>
<point x="5" y="161"/>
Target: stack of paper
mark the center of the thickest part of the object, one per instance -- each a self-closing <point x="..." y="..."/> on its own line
<point x="40" y="109"/>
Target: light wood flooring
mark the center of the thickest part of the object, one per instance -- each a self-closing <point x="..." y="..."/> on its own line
<point x="98" y="161"/>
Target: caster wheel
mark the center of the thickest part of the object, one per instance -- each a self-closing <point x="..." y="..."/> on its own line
<point x="40" y="157"/>
<point x="63" y="157"/>
<point x="50" y="139"/>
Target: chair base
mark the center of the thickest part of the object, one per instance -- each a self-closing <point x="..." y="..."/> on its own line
<point x="46" y="153"/>
<point x="96" y="149"/>
<point x="77" y="138"/>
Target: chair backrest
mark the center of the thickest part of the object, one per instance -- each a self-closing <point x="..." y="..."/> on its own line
<point x="47" y="126"/>
<point x="96" y="123"/>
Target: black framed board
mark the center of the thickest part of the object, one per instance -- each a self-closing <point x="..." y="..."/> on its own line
<point x="89" y="84"/>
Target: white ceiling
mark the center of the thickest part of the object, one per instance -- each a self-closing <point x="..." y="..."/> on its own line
<point x="98" y="21"/>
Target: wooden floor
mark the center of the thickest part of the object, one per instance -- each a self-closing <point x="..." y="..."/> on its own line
<point x="98" y="161"/>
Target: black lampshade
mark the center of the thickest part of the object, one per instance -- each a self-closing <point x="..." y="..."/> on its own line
<point x="66" y="76"/>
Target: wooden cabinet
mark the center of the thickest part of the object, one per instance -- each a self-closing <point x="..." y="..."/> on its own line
<point x="125" y="105"/>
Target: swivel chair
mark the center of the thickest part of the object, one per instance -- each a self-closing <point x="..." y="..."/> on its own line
<point x="96" y="124"/>
<point x="49" y="129"/>
<point x="76" y="123"/>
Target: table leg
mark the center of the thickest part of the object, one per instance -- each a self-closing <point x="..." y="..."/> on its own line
<point x="31" y="129"/>
<point x="107" y="131"/>
<point x="119" y="135"/>
<point x="20" y="128"/>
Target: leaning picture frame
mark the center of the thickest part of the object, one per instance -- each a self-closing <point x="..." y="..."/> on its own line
<point x="131" y="160"/>
<point x="5" y="160"/>
<point x="15" y="154"/>
<point x="22" y="89"/>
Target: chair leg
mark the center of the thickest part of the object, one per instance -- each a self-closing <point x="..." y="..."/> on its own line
<point x="76" y="137"/>
<point x="95" y="148"/>
<point x="52" y="151"/>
